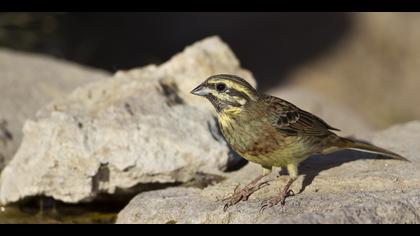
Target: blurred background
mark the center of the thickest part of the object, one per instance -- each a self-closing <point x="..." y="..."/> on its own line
<point x="366" y="64"/>
<point x="368" y="61"/>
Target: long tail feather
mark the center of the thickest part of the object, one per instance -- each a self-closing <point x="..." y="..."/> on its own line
<point x="345" y="143"/>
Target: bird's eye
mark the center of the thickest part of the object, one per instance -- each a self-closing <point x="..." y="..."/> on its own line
<point x="220" y="87"/>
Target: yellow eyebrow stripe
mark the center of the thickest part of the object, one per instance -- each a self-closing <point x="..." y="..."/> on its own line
<point x="234" y="85"/>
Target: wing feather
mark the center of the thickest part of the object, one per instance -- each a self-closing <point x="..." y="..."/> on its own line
<point x="288" y="118"/>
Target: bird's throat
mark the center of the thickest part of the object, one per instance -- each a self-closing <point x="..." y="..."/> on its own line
<point x="228" y="116"/>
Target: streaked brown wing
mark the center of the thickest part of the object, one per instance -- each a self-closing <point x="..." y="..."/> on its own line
<point x="288" y="118"/>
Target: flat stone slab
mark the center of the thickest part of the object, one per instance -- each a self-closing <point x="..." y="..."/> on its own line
<point x="343" y="187"/>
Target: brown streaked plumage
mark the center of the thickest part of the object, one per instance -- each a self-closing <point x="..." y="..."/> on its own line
<point x="271" y="132"/>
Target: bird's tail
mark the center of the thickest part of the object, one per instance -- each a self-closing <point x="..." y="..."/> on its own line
<point x="345" y="143"/>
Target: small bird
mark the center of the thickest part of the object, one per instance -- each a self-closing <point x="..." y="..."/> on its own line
<point x="271" y="132"/>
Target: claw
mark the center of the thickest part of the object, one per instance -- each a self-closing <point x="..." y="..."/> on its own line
<point x="262" y="209"/>
<point x="235" y="198"/>
<point x="242" y="195"/>
<point x="268" y="203"/>
<point x="289" y="193"/>
<point x="225" y="207"/>
<point x="276" y="200"/>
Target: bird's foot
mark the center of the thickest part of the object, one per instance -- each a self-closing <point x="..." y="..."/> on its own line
<point x="276" y="200"/>
<point x="243" y="194"/>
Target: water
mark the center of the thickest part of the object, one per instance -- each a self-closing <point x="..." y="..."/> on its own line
<point x="44" y="210"/>
<point x="49" y="211"/>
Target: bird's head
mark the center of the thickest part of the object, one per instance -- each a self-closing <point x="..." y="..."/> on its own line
<point x="226" y="92"/>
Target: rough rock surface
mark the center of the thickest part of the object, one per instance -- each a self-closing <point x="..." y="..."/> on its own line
<point x="344" y="187"/>
<point x="27" y="82"/>
<point x="141" y="126"/>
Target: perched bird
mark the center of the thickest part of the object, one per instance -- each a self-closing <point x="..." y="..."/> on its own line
<point x="271" y="132"/>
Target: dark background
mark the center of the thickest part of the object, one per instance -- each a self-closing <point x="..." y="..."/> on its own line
<point x="269" y="44"/>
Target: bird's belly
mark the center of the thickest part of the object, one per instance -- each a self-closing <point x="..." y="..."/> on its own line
<point x="286" y="153"/>
<point x="266" y="147"/>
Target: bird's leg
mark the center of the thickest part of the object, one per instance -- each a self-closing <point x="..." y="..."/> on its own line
<point x="285" y="192"/>
<point x="248" y="190"/>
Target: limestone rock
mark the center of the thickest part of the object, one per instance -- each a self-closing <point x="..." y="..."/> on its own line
<point x="27" y="82"/>
<point x="187" y="205"/>
<point x="343" y="187"/>
<point x="141" y="126"/>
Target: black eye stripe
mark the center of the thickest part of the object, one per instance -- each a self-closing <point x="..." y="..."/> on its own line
<point x="236" y="93"/>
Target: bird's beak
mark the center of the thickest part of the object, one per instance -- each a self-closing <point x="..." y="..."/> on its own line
<point x="201" y="90"/>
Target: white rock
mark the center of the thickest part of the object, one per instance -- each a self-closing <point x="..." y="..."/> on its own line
<point x="27" y="82"/>
<point x="141" y="126"/>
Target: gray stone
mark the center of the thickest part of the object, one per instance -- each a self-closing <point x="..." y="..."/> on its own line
<point x="27" y="82"/>
<point x="140" y="126"/>
<point x="187" y="205"/>
<point x="343" y="187"/>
